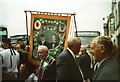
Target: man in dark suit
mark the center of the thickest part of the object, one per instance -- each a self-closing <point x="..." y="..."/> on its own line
<point x="43" y="41"/>
<point x="47" y="68"/>
<point x="85" y="63"/>
<point x="67" y="68"/>
<point x="102" y="50"/>
<point x="54" y="42"/>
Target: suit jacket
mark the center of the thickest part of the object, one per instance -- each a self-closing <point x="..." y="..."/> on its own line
<point x="67" y="68"/>
<point x="108" y="70"/>
<point x="55" y="45"/>
<point x="85" y="62"/>
<point x="48" y="69"/>
<point x="45" y="43"/>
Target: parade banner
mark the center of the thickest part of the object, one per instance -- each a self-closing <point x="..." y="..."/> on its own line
<point x="53" y="29"/>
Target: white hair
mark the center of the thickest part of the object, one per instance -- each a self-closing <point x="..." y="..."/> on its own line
<point x="83" y="47"/>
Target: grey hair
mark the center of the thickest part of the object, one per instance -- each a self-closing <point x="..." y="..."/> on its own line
<point x="106" y="41"/>
<point x="43" y="47"/>
<point x="83" y="47"/>
<point x="72" y="41"/>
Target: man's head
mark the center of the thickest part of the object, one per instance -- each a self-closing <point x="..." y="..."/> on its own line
<point x="6" y="43"/>
<point x="22" y="68"/>
<point x="83" y="49"/>
<point x="74" y="44"/>
<point x="43" y="37"/>
<point x="42" y="52"/>
<point x="53" y="38"/>
<point x="101" y="47"/>
<point x="17" y="46"/>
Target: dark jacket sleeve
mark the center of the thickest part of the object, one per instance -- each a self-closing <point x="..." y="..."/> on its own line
<point x="62" y="69"/>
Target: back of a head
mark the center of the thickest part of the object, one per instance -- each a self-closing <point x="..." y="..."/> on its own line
<point x="7" y="41"/>
<point x="74" y="44"/>
<point x="72" y="41"/>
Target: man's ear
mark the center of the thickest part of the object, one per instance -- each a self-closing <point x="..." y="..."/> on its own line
<point x="103" y="48"/>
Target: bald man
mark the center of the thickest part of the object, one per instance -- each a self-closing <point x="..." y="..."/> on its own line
<point x="47" y="68"/>
<point x="67" y="68"/>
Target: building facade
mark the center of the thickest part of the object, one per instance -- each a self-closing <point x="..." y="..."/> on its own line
<point x="112" y="27"/>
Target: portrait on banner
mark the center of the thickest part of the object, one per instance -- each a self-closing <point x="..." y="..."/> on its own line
<point x="50" y="31"/>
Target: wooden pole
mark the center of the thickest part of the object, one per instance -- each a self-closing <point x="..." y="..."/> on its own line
<point x="27" y="27"/>
<point x="75" y="25"/>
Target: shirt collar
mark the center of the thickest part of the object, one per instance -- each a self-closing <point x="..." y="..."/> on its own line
<point x="46" y="58"/>
<point x="71" y="52"/>
<point x="99" y="63"/>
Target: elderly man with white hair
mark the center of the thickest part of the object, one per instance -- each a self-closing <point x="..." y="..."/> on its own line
<point x="82" y="49"/>
<point x="47" y="67"/>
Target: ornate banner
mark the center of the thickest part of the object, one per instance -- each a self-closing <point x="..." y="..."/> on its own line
<point x="49" y="30"/>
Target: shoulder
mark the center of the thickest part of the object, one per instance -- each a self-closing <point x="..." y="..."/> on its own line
<point x="110" y="63"/>
<point x="64" y="54"/>
<point x="52" y="61"/>
<point x="16" y="52"/>
<point x="5" y="51"/>
<point x="110" y="70"/>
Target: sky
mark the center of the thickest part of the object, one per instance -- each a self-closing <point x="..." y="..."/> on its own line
<point x="89" y="13"/>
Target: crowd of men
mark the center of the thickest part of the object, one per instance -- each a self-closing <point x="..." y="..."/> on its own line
<point x="73" y="63"/>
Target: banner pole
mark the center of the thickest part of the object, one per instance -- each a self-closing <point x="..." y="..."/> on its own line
<point x="27" y="27"/>
<point x="75" y="25"/>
